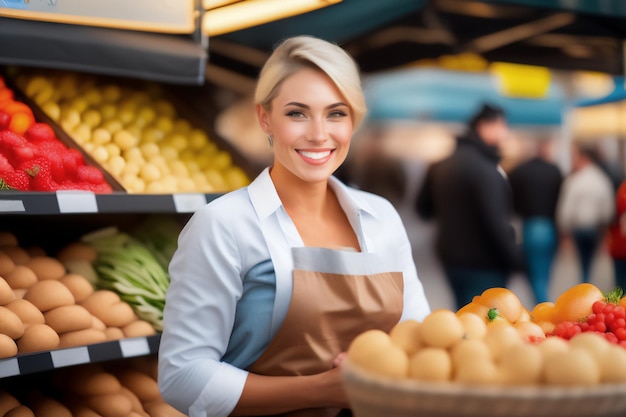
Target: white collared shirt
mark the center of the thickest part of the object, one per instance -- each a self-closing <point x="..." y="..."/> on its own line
<point x="217" y="247"/>
<point x="586" y="200"/>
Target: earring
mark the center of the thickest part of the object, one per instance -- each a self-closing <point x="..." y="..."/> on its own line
<point x="270" y="139"/>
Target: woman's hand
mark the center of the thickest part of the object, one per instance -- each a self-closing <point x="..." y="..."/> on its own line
<point x="268" y="395"/>
<point x="330" y="386"/>
<point x="339" y="359"/>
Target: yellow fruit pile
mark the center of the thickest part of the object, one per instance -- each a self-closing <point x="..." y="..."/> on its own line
<point x="134" y="132"/>
<point x="461" y="348"/>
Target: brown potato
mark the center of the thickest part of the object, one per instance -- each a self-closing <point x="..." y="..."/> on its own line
<point x="8" y="348"/>
<point x="36" y="251"/>
<point x="8" y="238"/>
<point x="81" y="338"/>
<point x="7" y="402"/>
<point x="99" y="301"/>
<point x="114" y="333"/>
<point x="97" y="324"/>
<point x="77" y="251"/>
<point x="84" y="411"/>
<point x="6" y="293"/>
<point x="68" y="318"/>
<point x="49" y="294"/>
<point x="162" y="409"/>
<point x="26" y="311"/>
<point x="93" y="380"/>
<point x="79" y="286"/>
<point x="18" y="255"/>
<point x="48" y="406"/>
<point x="141" y="384"/>
<point x="110" y="405"/>
<point x="10" y="323"/>
<point x="138" y="328"/>
<point x="136" y="402"/>
<point x="118" y="315"/>
<point x="20" y="411"/>
<point x="46" y="267"/>
<point x="20" y="277"/>
<point x="6" y="263"/>
<point x="38" y="337"/>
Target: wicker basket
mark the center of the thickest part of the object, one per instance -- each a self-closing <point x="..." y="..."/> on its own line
<point x="373" y="396"/>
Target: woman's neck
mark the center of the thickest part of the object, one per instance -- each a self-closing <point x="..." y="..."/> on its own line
<point x="300" y="196"/>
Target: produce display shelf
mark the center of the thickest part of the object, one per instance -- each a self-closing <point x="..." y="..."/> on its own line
<point x="30" y="363"/>
<point x="168" y="58"/>
<point x="78" y="201"/>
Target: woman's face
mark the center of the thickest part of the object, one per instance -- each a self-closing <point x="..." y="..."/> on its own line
<point x="311" y="125"/>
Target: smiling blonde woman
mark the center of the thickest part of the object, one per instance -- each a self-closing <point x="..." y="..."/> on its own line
<point x="270" y="283"/>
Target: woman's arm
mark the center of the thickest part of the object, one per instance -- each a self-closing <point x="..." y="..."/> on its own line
<point x="198" y="318"/>
<point x="270" y="395"/>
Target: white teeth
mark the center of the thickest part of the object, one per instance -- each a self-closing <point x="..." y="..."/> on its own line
<point x="315" y="155"/>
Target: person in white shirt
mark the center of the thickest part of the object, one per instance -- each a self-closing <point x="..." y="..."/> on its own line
<point x="270" y="283"/>
<point x="586" y="206"/>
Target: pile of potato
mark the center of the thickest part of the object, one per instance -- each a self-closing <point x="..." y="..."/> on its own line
<point x="450" y="348"/>
<point x="95" y="390"/>
<point x="44" y="306"/>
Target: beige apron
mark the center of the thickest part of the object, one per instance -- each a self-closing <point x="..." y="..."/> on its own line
<point x="336" y="295"/>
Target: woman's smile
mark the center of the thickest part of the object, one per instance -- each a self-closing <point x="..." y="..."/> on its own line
<point x="317" y="157"/>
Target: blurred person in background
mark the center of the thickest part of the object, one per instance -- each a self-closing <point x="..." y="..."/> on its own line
<point x="536" y="184"/>
<point x="617" y="237"/>
<point x="371" y="168"/>
<point x="469" y="197"/>
<point x="586" y="206"/>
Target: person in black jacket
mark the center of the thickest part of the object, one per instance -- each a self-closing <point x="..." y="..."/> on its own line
<point x="536" y="184"/>
<point x="469" y="197"/>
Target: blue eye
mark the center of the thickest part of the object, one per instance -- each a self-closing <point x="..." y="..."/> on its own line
<point x="295" y="113"/>
<point x="337" y="114"/>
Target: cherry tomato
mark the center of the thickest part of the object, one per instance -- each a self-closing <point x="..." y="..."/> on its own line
<point x="576" y="303"/>
<point x="20" y="122"/>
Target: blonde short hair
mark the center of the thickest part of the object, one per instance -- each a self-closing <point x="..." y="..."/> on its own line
<point x="299" y="52"/>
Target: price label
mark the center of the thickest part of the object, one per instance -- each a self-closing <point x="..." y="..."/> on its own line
<point x="69" y="357"/>
<point x="9" y="367"/>
<point x="77" y="201"/>
<point x="188" y="203"/>
<point x="7" y="206"/>
<point x="134" y="347"/>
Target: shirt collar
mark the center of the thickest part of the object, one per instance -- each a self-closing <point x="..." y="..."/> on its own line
<point x="266" y="201"/>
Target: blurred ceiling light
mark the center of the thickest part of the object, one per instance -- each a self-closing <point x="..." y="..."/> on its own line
<point x="235" y="16"/>
<point x="592" y="84"/>
<point x="212" y="4"/>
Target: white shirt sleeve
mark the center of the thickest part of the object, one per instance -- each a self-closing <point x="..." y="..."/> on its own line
<point x="198" y="319"/>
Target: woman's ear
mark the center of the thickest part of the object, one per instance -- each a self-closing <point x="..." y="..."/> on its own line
<point x="263" y="118"/>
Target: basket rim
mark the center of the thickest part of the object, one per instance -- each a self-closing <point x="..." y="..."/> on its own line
<point x="351" y="374"/>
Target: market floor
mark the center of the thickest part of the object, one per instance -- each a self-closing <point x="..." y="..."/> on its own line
<point x="565" y="271"/>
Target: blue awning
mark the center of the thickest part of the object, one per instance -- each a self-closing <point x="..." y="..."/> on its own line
<point x="618" y="94"/>
<point x="454" y="96"/>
